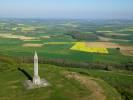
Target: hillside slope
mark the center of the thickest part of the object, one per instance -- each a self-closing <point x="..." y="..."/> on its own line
<point x="63" y="86"/>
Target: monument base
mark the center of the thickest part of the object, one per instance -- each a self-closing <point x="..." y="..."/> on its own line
<point x="28" y="84"/>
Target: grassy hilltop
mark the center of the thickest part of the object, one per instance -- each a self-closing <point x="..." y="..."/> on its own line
<point x="66" y="83"/>
<point x="61" y="87"/>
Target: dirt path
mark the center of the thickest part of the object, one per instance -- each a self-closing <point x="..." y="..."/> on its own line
<point x="97" y="93"/>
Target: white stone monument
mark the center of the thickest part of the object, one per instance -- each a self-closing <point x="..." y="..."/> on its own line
<point x="36" y="78"/>
<point x="36" y="82"/>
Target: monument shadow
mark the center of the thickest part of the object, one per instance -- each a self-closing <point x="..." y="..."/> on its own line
<point x="25" y="73"/>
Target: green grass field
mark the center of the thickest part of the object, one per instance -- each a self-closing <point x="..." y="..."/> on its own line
<point x="121" y="80"/>
<point x="61" y="88"/>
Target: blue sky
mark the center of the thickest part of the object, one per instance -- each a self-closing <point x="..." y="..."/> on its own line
<point x="93" y="9"/>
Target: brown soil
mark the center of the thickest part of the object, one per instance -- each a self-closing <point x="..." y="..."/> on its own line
<point x="110" y="39"/>
<point x="32" y="40"/>
<point x="117" y="34"/>
<point x="32" y="45"/>
<point x="102" y="45"/>
<point x="17" y="37"/>
<point x="46" y="37"/>
<point x="125" y="50"/>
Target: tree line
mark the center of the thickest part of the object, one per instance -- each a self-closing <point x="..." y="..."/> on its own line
<point x="80" y="64"/>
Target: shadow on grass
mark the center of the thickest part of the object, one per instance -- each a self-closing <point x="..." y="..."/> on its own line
<point x="25" y="73"/>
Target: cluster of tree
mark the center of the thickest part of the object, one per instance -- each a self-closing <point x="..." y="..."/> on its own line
<point x="79" y="64"/>
<point x="80" y="36"/>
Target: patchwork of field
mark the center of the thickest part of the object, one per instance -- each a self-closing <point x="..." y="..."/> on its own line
<point x="77" y="40"/>
<point x="124" y="49"/>
<point x="111" y="33"/>
<point x="102" y="47"/>
<point x="90" y="47"/>
<point x="109" y="36"/>
<point x="24" y="28"/>
<point x="106" y="39"/>
<point x="128" y="29"/>
<point x="17" y="37"/>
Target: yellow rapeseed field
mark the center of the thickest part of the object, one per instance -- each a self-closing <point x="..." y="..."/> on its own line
<point x="81" y="46"/>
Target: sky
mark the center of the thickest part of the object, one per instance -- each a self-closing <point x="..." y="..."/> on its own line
<point x="81" y="9"/>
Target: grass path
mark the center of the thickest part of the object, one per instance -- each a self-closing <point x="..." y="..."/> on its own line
<point x="98" y="91"/>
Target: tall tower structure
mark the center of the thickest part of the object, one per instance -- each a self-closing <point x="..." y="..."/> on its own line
<point x="36" y="82"/>
<point x="36" y="78"/>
